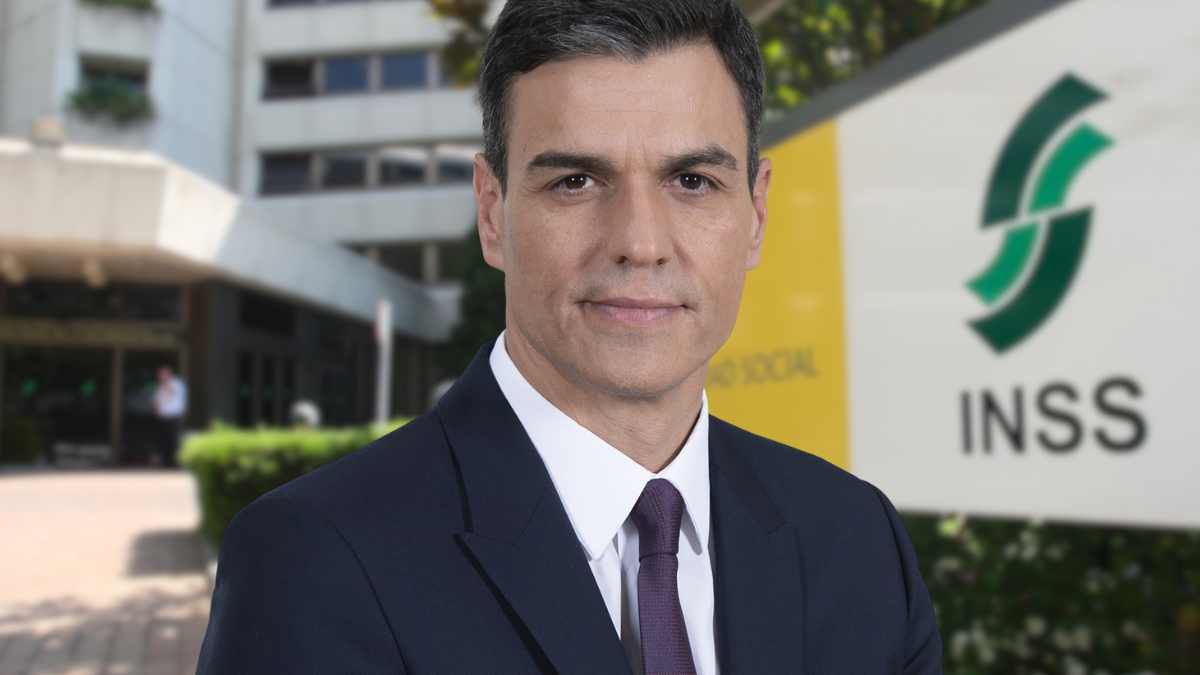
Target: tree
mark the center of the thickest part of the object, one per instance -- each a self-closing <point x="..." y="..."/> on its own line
<point x="810" y="45"/>
<point x="481" y="309"/>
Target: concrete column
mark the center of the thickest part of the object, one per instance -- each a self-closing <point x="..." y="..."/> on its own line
<point x="429" y="263"/>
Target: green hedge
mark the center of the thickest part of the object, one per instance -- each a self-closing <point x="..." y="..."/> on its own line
<point x="1017" y="598"/>
<point x="20" y="441"/>
<point x="233" y="467"/>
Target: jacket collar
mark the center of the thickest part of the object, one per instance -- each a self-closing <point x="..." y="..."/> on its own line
<point x="518" y="533"/>
<point x="759" y="565"/>
<point x="597" y="483"/>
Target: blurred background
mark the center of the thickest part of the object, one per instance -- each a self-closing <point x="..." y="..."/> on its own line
<point x="237" y="242"/>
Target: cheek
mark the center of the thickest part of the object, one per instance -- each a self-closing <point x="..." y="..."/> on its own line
<point x="547" y="249"/>
<point x="718" y="256"/>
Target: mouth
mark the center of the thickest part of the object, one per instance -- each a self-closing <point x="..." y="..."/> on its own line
<point x="634" y="311"/>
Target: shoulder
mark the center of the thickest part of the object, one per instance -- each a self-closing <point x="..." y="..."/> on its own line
<point x="818" y="497"/>
<point x="406" y="471"/>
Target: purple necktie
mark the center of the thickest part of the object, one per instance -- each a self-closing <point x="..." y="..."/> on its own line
<point x="657" y="514"/>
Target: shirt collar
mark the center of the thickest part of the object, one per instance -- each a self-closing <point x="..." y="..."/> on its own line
<point x="597" y="483"/>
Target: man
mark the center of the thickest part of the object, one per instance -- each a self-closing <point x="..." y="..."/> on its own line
<point x="569" y="506"/>
<point x="170" y="403"/>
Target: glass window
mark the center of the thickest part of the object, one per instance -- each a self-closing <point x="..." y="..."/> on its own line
<point x="406" y="71"/>
<point x="130" y="76"/>
<point x="344" y="170"/>
<point x="268" y="315"/>
<point x="244" y="391"/>
<point x="266" y="394"/>
<point x="405" y="259"/>
<point x="455" y="163"/>
<point x="285" y="172"/>
<point x="401" y="165"/>
<point x="290" y="79"/>
<point x="345" y="74"/>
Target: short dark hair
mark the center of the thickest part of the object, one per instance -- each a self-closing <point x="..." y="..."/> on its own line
<point x="529" y="33"/>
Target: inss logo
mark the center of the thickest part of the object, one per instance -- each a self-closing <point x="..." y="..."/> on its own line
<point x="1043" y="241"/>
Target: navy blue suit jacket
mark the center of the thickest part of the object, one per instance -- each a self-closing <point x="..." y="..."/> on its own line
<point x="444" y="548"/>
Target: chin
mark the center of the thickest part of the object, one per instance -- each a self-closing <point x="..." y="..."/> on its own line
<point x="635" y="373"/>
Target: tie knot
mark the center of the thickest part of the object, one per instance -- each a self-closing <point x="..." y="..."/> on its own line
<point x="657" y="514"/>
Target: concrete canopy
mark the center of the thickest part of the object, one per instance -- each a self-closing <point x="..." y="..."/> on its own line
<point x="101" y="214"/>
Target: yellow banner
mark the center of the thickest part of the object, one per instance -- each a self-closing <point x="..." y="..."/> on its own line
<point x="782" y="374"/>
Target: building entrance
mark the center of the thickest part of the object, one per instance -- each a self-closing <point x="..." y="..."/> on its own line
<point x="57" y="405"/>
<point x="79" y="406"/>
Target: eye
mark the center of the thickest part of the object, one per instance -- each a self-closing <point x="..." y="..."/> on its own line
<point x="573" y="183"/>
<point x="694" y="182"/>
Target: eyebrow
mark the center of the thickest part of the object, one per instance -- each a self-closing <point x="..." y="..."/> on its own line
<point x="710" y="155"/>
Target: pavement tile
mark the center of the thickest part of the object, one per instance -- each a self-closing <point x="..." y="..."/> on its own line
<point x="105" y="576"/>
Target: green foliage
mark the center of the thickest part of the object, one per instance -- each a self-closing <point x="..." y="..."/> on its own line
<point x="481" y="307"/>
<point x="233" y="467"/>
<point x="112" y="98"/>
<point x="20" y="441"/>
<point x="810" y="45"/>
<point x="137" y="5"/>
<point x="807" y="45"/>
<point x="462" y="53"/>
<point x="1017" y="598"/>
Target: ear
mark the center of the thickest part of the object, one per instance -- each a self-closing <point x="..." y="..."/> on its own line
<point x="489" y="212"/>
<point x="759" y="199"/>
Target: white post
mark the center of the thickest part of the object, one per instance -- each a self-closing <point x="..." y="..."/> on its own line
<point x="383" y="372"/>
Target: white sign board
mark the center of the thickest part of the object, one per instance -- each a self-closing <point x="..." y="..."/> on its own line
<point x="1021" y="231"/>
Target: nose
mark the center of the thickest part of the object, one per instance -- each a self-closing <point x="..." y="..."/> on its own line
<point x="639" y="233"/>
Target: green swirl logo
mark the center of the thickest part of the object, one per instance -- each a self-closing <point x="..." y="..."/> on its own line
<point x="1043" y="241"/>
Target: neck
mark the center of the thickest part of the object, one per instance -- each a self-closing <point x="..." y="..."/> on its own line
<point x="649" y="430"/>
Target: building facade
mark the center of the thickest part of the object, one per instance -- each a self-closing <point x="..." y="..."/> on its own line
<point x="230" y="188"/>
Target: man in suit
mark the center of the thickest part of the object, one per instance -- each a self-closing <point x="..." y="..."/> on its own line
<point x="569" y="505"/>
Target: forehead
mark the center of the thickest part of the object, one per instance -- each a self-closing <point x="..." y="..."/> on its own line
<point x="676" y="100"/>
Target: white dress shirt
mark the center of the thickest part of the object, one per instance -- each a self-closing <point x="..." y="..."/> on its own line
<point x="598" y="486"/>
<point x="171" y="400"/>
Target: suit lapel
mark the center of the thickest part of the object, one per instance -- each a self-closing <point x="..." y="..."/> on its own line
<point x="517" y="532"/>
<point x="759" y="570"/>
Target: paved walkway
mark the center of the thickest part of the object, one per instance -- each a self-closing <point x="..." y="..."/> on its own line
<point x="101" y="571"/>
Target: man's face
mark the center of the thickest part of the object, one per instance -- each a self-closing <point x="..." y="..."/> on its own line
<point x="627" y="225"/>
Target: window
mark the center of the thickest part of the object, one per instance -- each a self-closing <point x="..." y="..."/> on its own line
<point x="405" y="259"/>
<point x="286" y="173"/>
<point x="266" y="392"/>
<point x="245" y="389"/>
<point x="401" y="165"/>
<point x="267" y="315"/>
<point x="405" y="71"/>
<point x="314" y="76"/>
<point x="393" y="166"/>
<point x="345" y="74"/>
<point x="290" y="79"/>
<point x="129" y="75"/>
<point x="455" y="163"/>
<point x="304" y="3"/>
<point x="344" y="170"/>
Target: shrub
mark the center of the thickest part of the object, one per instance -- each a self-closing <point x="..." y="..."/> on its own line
<point x="20" y="441"/>
<point x="1017" y="598"/>
<point x="233" y="467"/>
<point x="114" y="99"/>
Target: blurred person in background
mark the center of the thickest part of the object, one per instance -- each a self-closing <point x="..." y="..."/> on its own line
<point x="569" y="505"/>
<point x="170" y="404"/>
